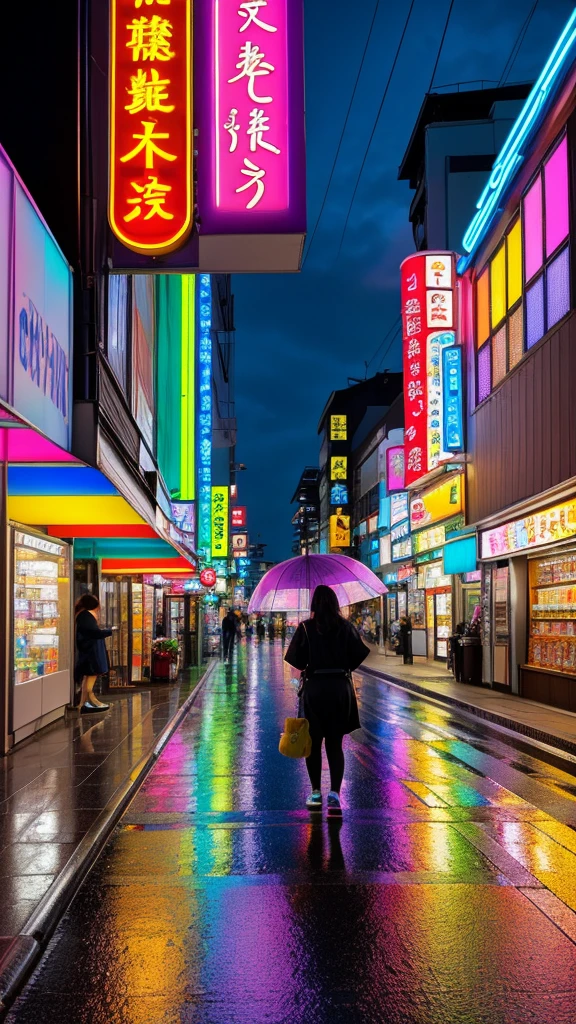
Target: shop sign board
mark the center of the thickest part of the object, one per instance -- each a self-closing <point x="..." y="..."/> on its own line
<point x="424" y="540"/>
<point x="151" y="130"/>
<point x="395" y="468"/>
<point x="338" y="467"/>
<point x="338" y="428"/>
<point x="452" y="399"/>
<point x="239" y="542"/>
<point x="429" y="313"/>
<point x="238" y="517"/>
<point x="373" y="524"/>
<point x="40" y="331"/>
<point x="220" y="517"/>
<point x="204" y="428"/>
<point x="402" y="530"/>
<point x="399" y="508"/>
<point x="405" y="572"/>
<point x="250" y="113"/>
<point x="208" y="577"/>
<point x="385" y="550"/>
<point x="438" y="503"/>
<point x="339" y="494"/>
<point x="184" y="515"/>
<point x="339" y="530"/>
<point x="402" y="549"/>
<point x="391" y="578"/>
<point x="553" y="524"/>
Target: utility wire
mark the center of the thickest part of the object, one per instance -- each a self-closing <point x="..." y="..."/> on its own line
<point x="389" y="346"/>
<point x="517" y="45"/>
<point x="441" y="47"/>
<point x="343" y="132"/>
<point x="394" y="327"/>
<point x="374" y="127"/>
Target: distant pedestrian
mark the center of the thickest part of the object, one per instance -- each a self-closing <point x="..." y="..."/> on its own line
<point x="327" y="648"/>
<point x="271" y="630"/>
<point x="92" y="656"/>
<point x="229" y="629"/>
<point x="406" y="634"/>
<point x="260" y="629"/>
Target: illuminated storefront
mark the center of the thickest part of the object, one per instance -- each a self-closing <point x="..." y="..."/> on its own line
<point x="516" y="274"/>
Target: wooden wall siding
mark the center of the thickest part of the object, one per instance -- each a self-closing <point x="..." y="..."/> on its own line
<point x="523" y="439"/>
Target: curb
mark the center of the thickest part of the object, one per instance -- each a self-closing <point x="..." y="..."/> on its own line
<point x="27" y="947"/>
<point x="550" y="739"/>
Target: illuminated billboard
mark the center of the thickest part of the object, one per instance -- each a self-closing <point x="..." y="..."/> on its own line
<point x="220" y="513"/>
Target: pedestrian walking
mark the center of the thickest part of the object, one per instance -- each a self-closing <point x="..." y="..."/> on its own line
<point x="260" y="629"/>
<point x="229" y="628"/>
<point x="406" y="634"/>
<point x="92" y="656"/>
<point x="326" y="649"/>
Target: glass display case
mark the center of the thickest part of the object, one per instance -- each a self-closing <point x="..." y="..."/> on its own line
<point x="41" y="607"/>
<point x="115" y="612"/>
<point x="137" y="631"/>
<point x="552" y="637"/>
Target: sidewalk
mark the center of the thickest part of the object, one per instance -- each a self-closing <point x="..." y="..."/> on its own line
<point x="65" y="787"/>
<point x="536" y="721"/>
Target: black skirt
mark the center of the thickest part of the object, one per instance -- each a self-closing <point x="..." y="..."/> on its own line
<point x="329" y="703"/>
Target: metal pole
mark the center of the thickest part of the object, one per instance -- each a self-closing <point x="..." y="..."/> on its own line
<point x="381" y="646"/>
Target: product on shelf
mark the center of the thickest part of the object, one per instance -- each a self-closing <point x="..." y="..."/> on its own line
<point x="553" y="613"/>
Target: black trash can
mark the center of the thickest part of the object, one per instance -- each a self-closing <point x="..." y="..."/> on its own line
<point x="471" y="648"/>
<point x="455" y="656"/>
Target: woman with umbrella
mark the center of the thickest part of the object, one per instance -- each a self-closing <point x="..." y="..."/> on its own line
<point x="326" y="649"/>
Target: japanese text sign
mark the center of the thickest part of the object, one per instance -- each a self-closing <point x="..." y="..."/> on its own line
<point x="238" y="516"/>
<point x="338" y="467"/>
<point x="339" y="530"/>
<point x="395" y="468"/>
<point x="220" y="511"/>
<point x="251" y="174"/>
<point x="338" y="428"/>
<point x="150" y="189"/>
<point x="452" y="396"/>
<point x="556" y="523"/>
<point x="399" y="508"/>
<point x="428" y="316"/>
<point x="239" y="541"/>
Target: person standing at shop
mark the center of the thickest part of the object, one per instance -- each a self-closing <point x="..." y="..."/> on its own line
<point x="406" y="635"/>
<point x="229" y="628"/>
<point x="92" y="656"/>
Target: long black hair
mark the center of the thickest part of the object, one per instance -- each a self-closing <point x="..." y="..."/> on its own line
<point x="326" y="609"/>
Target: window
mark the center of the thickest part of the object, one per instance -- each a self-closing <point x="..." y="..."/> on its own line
<point x="524" y="288"/>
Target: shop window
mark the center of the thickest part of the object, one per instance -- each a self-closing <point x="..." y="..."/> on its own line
<point x="499" y="356"/>
<point x="484" y="372"/>
<point x="524" y="289"/>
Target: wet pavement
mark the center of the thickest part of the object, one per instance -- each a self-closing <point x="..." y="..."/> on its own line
<point x="447" y="895"/>
<point x="54" y="786"/>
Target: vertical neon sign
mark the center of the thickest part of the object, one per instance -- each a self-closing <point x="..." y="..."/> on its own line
<point x="251" y="166"/>
<point x="188" y="386"/>
<point x="205" y="416"/>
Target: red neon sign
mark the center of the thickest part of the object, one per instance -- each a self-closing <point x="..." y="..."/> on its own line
<point x="238" y="516"/>
<point x="208" y="577"/>
<point x="150" y="188"/>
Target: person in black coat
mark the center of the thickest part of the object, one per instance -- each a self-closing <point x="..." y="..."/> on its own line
<point x="91" y="653"/>
<point x="327" y="648"/>
<point x="229" y="633"/>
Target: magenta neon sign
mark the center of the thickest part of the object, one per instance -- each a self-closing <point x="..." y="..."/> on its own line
<point x="250" y="115"/>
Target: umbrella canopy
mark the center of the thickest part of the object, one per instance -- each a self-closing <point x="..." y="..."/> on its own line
<point x="288" y="587"/>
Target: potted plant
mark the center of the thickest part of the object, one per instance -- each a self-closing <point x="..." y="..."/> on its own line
<point x="164" y="658"/>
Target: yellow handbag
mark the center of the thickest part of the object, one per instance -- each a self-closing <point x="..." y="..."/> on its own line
<point x="296" y="741"/>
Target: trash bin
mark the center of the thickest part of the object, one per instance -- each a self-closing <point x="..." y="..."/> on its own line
<point x="471" y="648"/>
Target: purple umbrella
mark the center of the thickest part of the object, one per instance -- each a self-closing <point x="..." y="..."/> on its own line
<point x="288" y="587"/>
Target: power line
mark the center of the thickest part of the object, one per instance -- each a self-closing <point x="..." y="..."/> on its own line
<point x="441" y="47"/>
<point x="383" y="342"/>
<point x="517" y="44"/>
<point x="343" y="132"/>
<point x="389" y="346"/>
<point x="373" y="132"/>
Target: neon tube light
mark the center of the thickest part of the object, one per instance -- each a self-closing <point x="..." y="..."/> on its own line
<point x="188" y="402"/>
<point x="511" y="154"/>
<point x="205" y="416"/>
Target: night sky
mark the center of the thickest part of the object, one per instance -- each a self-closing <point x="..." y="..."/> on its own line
<point x="299" y="336"/>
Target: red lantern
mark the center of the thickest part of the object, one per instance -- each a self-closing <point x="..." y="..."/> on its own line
<point x="208" y="577"/>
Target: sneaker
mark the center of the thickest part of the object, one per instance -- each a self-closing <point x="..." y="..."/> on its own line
<point x="314" y="801"/>
<point x="334" y="807"/>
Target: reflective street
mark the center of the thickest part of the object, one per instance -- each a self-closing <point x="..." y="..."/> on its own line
<point x="445" y="896"/>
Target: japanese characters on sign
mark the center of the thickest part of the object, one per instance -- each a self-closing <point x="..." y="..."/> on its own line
<point x="251" y="145"/>
<point x="338" y="428"/>
<point x="441" y="502"/>
<point x="402" y="549"/>
<point x="238" y="516"/>
<point x="338" y="467"/>
<point x="339" y="494"/>
<point x="150" y="191"/>
<point x="553" y="524"/>
<point x="399" y="508"/>
<point x="339" y="530"/>
<point x="428" y="316"/>
<point x="402" y="530"/>
<point x="220" y="511"/>
<point x="208" y="577"/>
<point x="452" y="388"/>
<point x="395" y="468"/>
<point x="204" y="432"/>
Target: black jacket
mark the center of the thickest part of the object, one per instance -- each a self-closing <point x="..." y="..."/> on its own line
<point x="338" y="649"/>
<point x="92" y="656"/>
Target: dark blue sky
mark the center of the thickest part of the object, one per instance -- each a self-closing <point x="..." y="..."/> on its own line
<point x="299" y="336"/>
